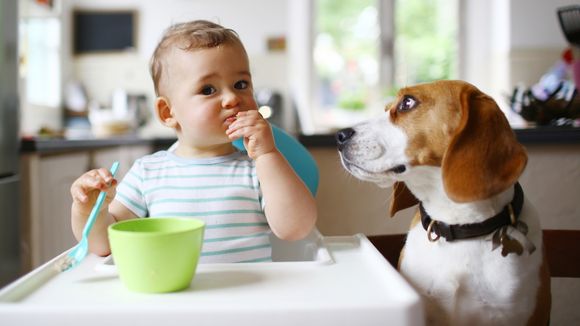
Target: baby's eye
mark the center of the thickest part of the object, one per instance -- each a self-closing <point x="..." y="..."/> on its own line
<point x="207" y="90"/>
<point x="242" y="84"/>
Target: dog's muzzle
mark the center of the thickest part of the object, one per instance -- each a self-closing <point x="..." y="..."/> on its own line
<point x="343" y="138"/>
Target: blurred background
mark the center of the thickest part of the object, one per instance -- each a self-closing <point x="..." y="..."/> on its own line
<point x="76" y="94"/>
<point x="324" y="63"/>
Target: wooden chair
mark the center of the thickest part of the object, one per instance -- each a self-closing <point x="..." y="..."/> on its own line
<point x="562" y="250"/>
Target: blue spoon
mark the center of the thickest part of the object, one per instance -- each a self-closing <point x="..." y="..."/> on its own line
<point x="79" y="252"/>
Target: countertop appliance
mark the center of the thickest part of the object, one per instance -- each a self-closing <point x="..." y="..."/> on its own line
<point x="9" y="144"/>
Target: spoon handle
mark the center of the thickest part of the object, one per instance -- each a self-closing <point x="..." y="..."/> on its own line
<point x="95" y="212"/>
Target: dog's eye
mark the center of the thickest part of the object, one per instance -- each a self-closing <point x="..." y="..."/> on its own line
<point x="407" y="103"/>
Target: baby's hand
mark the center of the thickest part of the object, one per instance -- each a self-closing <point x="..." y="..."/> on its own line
<point x="87" y="187"/>
<point x="256" y="132"/>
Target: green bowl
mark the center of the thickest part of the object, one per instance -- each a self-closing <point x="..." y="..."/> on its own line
<point x="155" y="255"/>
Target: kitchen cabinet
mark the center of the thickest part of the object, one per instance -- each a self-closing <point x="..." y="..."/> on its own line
<point x="45" y="224"/>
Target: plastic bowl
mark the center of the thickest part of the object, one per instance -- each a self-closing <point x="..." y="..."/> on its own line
<point x="157" y="254"/>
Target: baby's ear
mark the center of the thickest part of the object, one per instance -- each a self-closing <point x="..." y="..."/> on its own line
<point x="163" y="109"/>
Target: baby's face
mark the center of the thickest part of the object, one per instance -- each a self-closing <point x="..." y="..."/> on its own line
<point x="206" y="88"/>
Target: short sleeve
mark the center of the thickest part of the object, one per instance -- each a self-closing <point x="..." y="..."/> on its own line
<point x="130" y="190"/>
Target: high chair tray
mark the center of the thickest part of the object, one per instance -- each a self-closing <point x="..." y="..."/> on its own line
<point x="353" y="285"/>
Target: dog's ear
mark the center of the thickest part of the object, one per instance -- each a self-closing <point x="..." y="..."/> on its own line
<point x="402" y="198"/>
<point x="483" y="158"/>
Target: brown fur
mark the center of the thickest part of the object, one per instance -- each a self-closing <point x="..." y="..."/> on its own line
<point x="543" y="297"/>
<point x="437" y="103"/>
<point x="402" y="198"/>
<point x="477" y="161"/>
<point x="484" y="157"/>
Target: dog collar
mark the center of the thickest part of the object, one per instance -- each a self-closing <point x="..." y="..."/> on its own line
<point x="508" y="216"/>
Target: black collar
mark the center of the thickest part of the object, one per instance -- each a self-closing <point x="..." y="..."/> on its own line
<point x="507" y="216"/>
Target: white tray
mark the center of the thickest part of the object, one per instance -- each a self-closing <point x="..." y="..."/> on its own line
<point x="352" y="285"/>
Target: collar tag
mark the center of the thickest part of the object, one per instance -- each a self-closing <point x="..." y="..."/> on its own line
<point x="512" y="239"/>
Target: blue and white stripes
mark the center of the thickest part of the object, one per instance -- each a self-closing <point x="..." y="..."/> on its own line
<point x="222" y="191"/>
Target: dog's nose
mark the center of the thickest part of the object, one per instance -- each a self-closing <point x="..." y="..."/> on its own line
<point x="342" y="137"/>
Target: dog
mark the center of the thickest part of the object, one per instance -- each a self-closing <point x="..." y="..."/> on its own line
<point x="474" y="249"/>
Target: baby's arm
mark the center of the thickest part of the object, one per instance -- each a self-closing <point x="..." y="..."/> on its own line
<point x="290" y="209"/>
<point x="84" y="193"/>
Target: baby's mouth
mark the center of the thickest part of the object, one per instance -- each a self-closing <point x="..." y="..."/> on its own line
<point x="231" y="119"/>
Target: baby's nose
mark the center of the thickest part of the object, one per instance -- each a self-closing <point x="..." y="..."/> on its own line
<point x="230" y="99"/>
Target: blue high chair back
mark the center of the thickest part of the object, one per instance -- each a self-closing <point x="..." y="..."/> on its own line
<point x="296" y="154"/>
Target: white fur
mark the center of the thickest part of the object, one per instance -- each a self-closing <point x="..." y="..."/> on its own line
<point x="471" y="283"/>
<point x="376" y="150"/>
<point x="462" y="282"/>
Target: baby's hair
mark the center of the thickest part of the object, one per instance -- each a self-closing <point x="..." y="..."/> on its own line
<point x="188" y="36"/>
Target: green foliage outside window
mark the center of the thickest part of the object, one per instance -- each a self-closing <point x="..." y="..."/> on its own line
<point x="426" y="40"/>
<point x="347" y="48"/>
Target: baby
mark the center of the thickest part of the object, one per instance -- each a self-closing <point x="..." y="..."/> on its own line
<point x="204" y="91"/>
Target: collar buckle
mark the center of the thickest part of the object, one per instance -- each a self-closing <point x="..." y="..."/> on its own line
<point x="430" y="232"/>
<point x="513" y="218"/>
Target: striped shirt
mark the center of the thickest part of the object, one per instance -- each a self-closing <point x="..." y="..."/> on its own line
<point x="222" y="191"/>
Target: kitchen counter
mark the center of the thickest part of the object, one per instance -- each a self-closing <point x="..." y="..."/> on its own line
<point x="59" y="145"/>
<point x="528" y="136"/>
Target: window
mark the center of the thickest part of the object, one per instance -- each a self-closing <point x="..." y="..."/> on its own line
<point x="362" y="51"/>
<point x="426" y="42"/>
<point x="40" y="60"/>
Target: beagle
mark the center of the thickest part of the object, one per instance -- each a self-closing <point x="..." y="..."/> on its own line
<point x="474" y="249"/>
